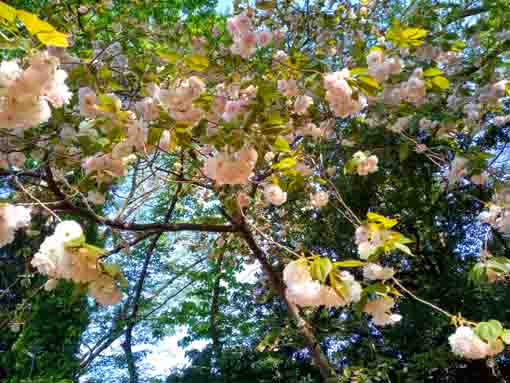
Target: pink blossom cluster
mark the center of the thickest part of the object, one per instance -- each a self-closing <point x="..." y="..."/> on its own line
<point x="303" y="291"/>
<point x="232" y="101"/>
<point x="231" y="168"/>
<point x="365" y="164"/>
<point x="413" y="90"/>
<point x="381" y="67"/>
<point x="27" y="93"/>
<point x="245" y="37"/>
<point x="319" y="199"/>
<point x="380" y="310"/>
<point x="368" y="240"/>
<point x="274" y="194"/>
<point x="373" y="272"/>
<point x="62" y="256"/>
<point x="458" y="169"/>
<point x="339" y="94"/>
<point x="465" y="343"/>
<point x="12" y="218"/>
<point x="497" y="217"/>
<point x="178" y="100"/>
<point x="105" y="167"/>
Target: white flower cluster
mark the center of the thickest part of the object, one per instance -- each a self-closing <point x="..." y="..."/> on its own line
<point x="26" y="93"/>
<point x="467" y="344"/>
<point x="365" y="164"/>
<point x="305" y="292"/>
<point x="339" y="94"/>
<point x="380" y="310"/>
<point x="231" y="169"/>
<point x="12" y="218"/>
<point x="60" y="257"/>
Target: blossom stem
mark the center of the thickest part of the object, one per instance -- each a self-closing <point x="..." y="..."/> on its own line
<point x="422" y="300"/>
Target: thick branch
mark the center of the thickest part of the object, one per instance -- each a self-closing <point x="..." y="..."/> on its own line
<point x="318" y="356"/>
<point x="215" y="308"/>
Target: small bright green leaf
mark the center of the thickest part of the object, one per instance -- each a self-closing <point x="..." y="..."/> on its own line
<point x="350" y="166"/>
<point x="388" y="223"/>
<point x="505" y="336"/>
<point x="286" y="163"/>
<point x="7" y="12"/>
<point x="265" y="4"/>
<point x="349" y="263"/>
<point x="320" y="269"/>
<point x="281" y="144"/>
<point x="44" y="31"/>
<point x="432" y="72"/>
<point x="489" y="331"/>
<point x="167" y="55"/>
<point x="404" y="248"/>
<point x="441" y="82"/>
<point x="358" y="71"/>
<point x="197" y="62"/>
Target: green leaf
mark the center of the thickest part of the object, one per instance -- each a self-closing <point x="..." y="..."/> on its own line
<point x="441" y="82"/>
<point x="349" y="263"/>
<point x="403" y="151"/>
<point x="281" y="144"/>
<point x="320" y="268"/>
<point x="432" y="72"/>
<point x="350" y="166"/>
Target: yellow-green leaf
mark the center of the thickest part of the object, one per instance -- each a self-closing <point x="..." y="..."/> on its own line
<point x="358" y="71"/>
<point x="286" y="163"/>
<point x="281" y="144"/>
<point x="405" y="37"/>
<point x="441" y="82"/>
<point x="197" y="62"/>
<point x="349" y="263"/>
<point x="167" y="55"/>
<point x="370" y="82"/>
<point x="403" y="248"/>
<point x="265" y="4"/>
<point x="7" y="12"/>
<point x="44" y="31"/>
<point x="432" y="72"/>
<point x="320" y="268"/>
<point x="386" y="222"/>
